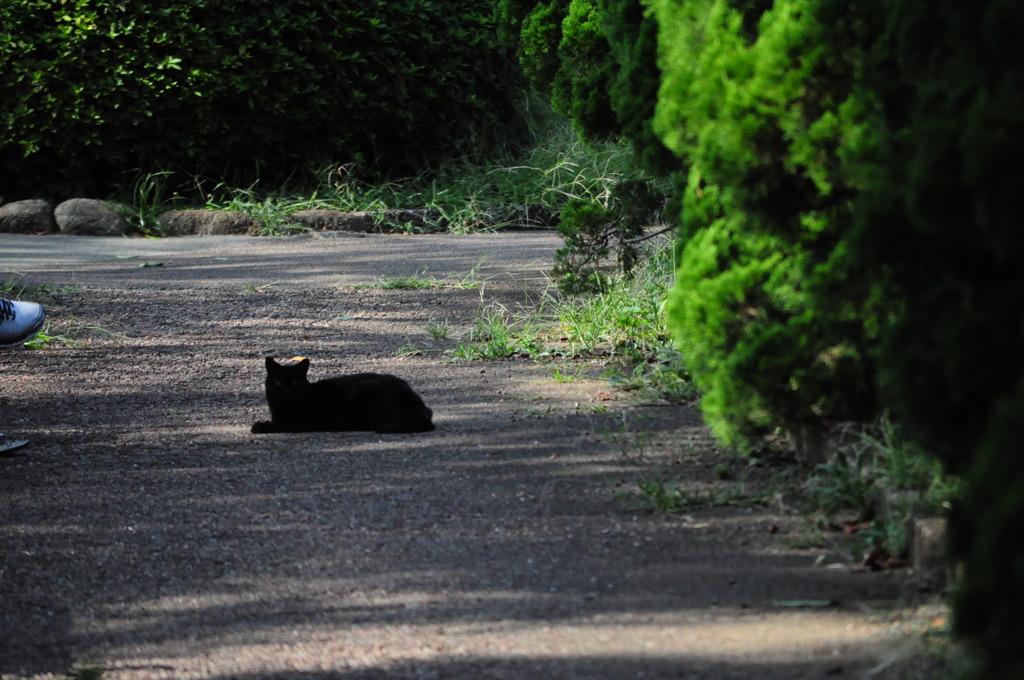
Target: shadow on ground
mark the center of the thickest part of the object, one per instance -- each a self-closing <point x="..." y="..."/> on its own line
<point x="147" y="531"/>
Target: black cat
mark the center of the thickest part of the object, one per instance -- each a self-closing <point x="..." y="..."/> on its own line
<point x="363" y="401"/>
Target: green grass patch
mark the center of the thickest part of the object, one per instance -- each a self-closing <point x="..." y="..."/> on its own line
<point x="498" y="333"/>
<point x="529" y="186"/>
<point x="658" y="495"/>
<point x="623" y="327"/>
<point x="875" y="483"/>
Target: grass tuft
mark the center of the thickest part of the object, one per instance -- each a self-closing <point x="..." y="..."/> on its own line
<point x="875" y="484"/>
<point x="526" y="188"/>
<point x="622" y="326"/>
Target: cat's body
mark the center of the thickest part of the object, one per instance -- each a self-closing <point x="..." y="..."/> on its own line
<point x="364" y="401"/>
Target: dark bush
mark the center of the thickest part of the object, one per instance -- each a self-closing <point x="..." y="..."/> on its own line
<point x="940" y="225"/>
<point x="632" y="35"/>
<point x="986" y="534"/>
<point x="597" y="61"/>
<point x="242" y="89"/>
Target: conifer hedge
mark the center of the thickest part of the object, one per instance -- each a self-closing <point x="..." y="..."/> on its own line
<point x="596" y="60"/>
<point x="851" y="233"/>
<point x="244" y="88"/>
<point x="941" y="224"/>
<point x="777" y="324"/>
<point x="852" y="241"/>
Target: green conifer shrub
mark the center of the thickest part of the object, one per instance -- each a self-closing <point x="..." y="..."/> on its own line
<point x="939" y="224"/>
<point x="632" y="35"/>
<point x="539" y="37"/>
<point x="580" y="90"/>
<point x="851" y="240"/>
<point x="594" y="230"/>
<point x="565" y="55"/>
<point x="777" y="330"/>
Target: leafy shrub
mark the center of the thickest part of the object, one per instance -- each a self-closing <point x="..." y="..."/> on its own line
<point x="765" y="307"/>
<point x="852" y="239"/>
<point x="540" y="35"/>
<point x="580" y="90"/>
<point x="244" y="88"/>
<point x="593" y="229"/>
<point x="597" y="62"/>
<point x="939" y="224"/>
<point x="632" y="35"/>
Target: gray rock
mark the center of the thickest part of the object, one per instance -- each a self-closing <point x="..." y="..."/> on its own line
<point x="333" y="220"/>
<point x="90" y="217"/>
<point x="33" y="216"/>
<point x="207" y="223"/>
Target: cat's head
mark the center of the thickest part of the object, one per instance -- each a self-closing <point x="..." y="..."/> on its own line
<point x="282" y="379"/>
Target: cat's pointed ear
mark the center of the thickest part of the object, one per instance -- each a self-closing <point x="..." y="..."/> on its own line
<point x="304" y="366"/>
<point x="272" y="365"/>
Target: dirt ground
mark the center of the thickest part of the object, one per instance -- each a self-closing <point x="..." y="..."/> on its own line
<point x="147" y="533"/>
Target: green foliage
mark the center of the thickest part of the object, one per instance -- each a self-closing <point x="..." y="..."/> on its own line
<point x="885" y="479"/>
<point x="541" y="33"/>
<point x="851" y="240"/>
<point x="244" y="88"/>
<point x="565" y="56"/>
<point x="764" y="308"/>
<point x="660" y="496"/>
<point x="580" y="89"/>
<point x="498" y="334"/>
<point x="625" y="320"/>
<point x="421" y="281"/>
<point x="939" y="224"/>
<point x="438" y="330"/>
<point x="597" y="61"/>
<point x="663" y="498"/>
<point x="594" y="229"/>
<point x="632" y="35"/>
<point x="666" y="375"/>
<point x="526" y="186"/>
<point x="509" y="16"/>
<point x="148" y="200"/>
<point x="584" y="225"/>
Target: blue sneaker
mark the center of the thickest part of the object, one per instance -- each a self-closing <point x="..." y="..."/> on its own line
<point x="19" y="322"/>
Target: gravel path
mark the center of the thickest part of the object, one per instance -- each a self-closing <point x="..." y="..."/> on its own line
<point x="147" y="533"/>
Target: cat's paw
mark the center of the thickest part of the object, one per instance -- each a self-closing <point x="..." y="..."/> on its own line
<point x="262" y="427"/>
